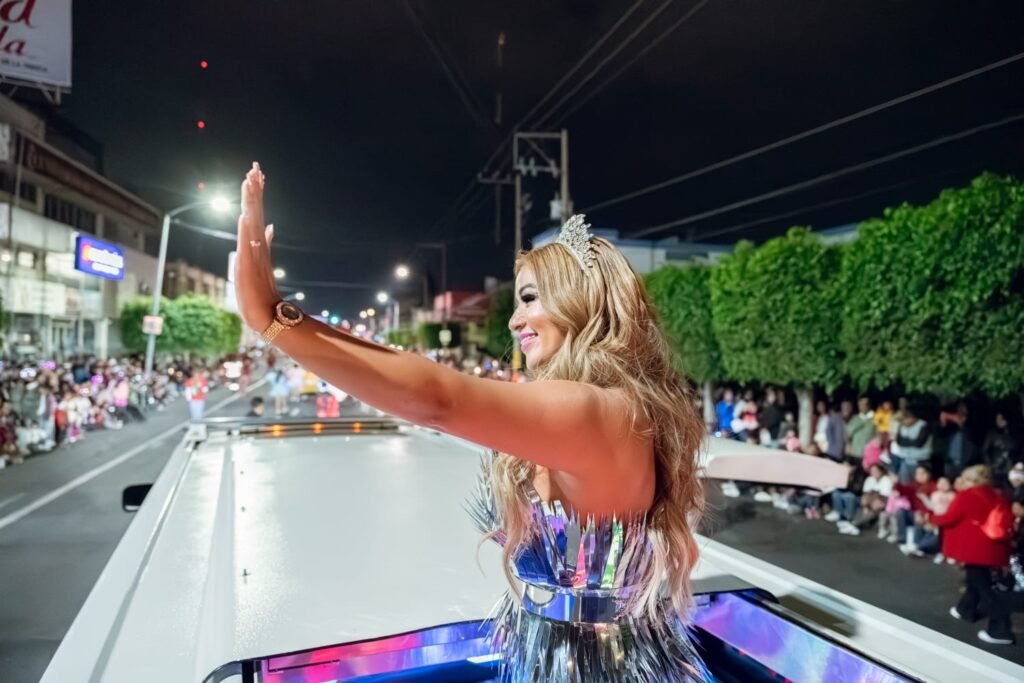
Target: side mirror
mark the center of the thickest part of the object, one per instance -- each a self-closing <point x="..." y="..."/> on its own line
<point x="132" y="496"/>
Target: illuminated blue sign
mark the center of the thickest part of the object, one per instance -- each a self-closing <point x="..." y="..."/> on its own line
<point x="99" y="258"/>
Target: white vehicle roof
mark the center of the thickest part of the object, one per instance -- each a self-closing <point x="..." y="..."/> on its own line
<point x="251" y="546"/>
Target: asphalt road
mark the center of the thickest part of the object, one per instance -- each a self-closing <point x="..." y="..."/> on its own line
<point x="61" y="518"/>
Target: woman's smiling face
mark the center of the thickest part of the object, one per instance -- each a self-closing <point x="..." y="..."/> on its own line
<point x="539" y="337"/>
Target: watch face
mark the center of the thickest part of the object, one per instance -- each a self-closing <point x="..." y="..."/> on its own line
<point x="289" y="313"/>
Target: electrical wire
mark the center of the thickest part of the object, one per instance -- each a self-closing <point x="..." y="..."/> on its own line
<point x="504" y="145"/>
<point x="647" y="48"/>
<point x="821" y="205"/>
<point x="805" y="134"/>
<point x="818" y="180"/>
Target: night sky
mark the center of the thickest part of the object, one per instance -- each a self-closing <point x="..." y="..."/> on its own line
<point x="352" y="107"/>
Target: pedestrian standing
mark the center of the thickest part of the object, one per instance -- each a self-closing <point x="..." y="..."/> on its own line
<point x="196" y="388"/>
<point x="977" y="529"/>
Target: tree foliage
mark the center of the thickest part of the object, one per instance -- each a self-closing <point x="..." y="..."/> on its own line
<point x="775" y="311"/>
<point x="499" y="311"/>
<point x="231" y="332"/>
<point x="682" y="297"/>
<point x="402" y="337"/>
<point x="192" y="324"/>
<point x="934" y="294"/>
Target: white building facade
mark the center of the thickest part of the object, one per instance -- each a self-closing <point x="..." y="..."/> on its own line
<point x="47" y="199"/>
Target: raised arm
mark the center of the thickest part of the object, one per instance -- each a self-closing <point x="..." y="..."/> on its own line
<point x="565" y="426"/>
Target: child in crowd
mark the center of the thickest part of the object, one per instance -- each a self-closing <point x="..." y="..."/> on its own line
<point x="895" y="504"/>
<point x="941" y="497"/>
<point x="883" y="422"/>
<point x="791" y="442"/>
<point x="255" y="407"/>
<point x="872" y="453"/>
<point x="924" y="537"/>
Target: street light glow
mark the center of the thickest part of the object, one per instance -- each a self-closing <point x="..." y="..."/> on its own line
<point x="402" y="272"/>
<point x="325" y="313"/>
<point x="278" y="273"/>
<point x="382" y="297"/>
<point x="300" y="296"/>
<point x="370" y="312"/>
<point x="221" y="204"/>
<point x="362" y="314"/>
<point x="335" y="320"/>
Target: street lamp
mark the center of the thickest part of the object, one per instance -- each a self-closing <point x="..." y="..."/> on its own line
<point x="402" y="272"/>
<point x="395" y="322"/>
<point x="279" y="273"/>
<point x="218" y="204"/>
<point x="325" y="313"/>
<point x="297" y="296"/>
<point x="362" y="315"/>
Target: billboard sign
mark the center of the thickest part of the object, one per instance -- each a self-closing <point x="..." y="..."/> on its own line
<point x="99" y="258"/>
<point x="35" y="41"/>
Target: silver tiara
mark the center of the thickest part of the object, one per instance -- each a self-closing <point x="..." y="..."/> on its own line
<point x="576" y="238"/>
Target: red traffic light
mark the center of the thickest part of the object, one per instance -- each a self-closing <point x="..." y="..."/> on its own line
<point x="200" y="124"/>
<point x="203" y="64"/>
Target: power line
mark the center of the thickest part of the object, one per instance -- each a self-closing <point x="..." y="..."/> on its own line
<point x="650" y="46"/>
<point x="451" y="72"/>
<point x="821" y="205"/>
<point x="562" y="81"/>
<point x="805" y="134"/>
<point x="503" y="146"/>
<point x="817" y="180"/>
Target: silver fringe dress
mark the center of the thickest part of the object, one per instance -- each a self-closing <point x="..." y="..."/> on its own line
<point x="571" y="622"/>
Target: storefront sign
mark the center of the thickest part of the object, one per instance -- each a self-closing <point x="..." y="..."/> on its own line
<point x="35" y="41"/>
<point x="99" y="258"/>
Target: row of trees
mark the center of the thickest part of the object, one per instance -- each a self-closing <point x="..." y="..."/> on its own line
<point x="927" y="299"/>
<point x="192" y="324"/>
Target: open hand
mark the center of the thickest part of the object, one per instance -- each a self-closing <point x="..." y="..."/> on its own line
<point x="254" y="271"/>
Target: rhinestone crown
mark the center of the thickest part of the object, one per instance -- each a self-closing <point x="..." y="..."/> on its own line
<point x="576" y="238"/>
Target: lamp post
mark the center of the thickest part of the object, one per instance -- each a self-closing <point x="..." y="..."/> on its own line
<point x="403" y="273"/>
<point x="395" y="320"/>
<point x="218" y="204"/>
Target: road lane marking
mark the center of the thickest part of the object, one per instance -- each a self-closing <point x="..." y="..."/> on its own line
<point x="110" y="464"/>
<point x="5" y="503"/>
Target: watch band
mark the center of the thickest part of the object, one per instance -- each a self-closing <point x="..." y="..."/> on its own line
<point x="271" y="332"/>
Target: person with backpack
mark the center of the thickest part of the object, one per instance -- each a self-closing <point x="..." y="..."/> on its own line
<point x="976" y="531"/>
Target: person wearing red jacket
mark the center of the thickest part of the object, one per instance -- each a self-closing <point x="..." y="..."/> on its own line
<point x="964" y="539"/>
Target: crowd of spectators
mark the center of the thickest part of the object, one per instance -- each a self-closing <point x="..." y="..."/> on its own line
<point x="932" y="487"/>
<point x="45" y="405"/>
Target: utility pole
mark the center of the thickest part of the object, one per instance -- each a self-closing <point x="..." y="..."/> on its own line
<point x="527" y="147"/>
<point x="497" y="182"/>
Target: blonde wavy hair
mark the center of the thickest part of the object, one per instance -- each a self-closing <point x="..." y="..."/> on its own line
<point x="613" y="339"/>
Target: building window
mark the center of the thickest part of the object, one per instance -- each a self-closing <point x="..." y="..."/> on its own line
<point x="66" y="212"/>
<point x="26" y="259"/>
<point x="152" y="244"/>
<point x="26" y="191"/>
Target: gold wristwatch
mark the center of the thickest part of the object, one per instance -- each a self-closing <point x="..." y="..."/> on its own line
<point x="286" y="315"/>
